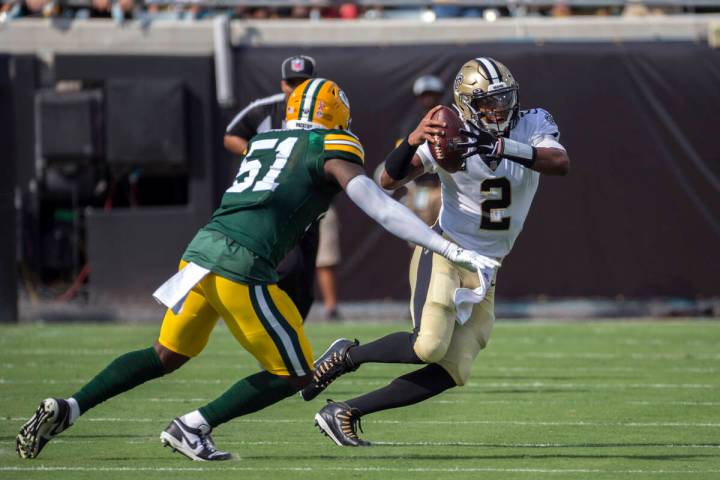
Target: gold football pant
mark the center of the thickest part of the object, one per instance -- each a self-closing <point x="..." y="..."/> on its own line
<point x="440" y="339"/>
<point x="261" y="317"/>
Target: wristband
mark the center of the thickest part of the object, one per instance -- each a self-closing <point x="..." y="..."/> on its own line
<point x="397" y="163"/>
<point x="517" y="152"/>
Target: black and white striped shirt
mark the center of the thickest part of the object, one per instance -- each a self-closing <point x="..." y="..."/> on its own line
<point x="259" y="116"/>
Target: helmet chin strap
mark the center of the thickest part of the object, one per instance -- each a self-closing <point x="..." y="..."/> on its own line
<point x="490" y="126"/>
<point x="494" y="126"/>
<point x="477" y="121"/>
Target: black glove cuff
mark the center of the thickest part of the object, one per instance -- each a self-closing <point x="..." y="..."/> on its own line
<point x="527" y="163"/>
<point x="397" y="163"/>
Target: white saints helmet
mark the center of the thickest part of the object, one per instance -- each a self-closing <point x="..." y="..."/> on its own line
<point x="486" y="94"/>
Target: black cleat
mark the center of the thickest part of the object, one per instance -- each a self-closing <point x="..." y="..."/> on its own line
<point x="331" y="364"/>
<point x="50" y="418"/>
<point x="194" y="443"/>
<point x="340" y="422"/>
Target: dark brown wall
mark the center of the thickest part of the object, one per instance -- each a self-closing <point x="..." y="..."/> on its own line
<point x="639" y="214"/>
<point x="8" y="270"/>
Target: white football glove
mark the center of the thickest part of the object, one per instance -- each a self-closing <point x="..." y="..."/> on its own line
<point x="468" y="259"/>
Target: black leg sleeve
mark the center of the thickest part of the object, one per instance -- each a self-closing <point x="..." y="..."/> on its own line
<point x="406" y="390"/>
<point x="393" y="348"/>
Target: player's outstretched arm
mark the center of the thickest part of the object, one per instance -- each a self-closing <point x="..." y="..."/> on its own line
<point x="551" y="161"/>
<point x="396" y="218"/>
<point x="401" y="164"/>
<point x="547" y="160"/>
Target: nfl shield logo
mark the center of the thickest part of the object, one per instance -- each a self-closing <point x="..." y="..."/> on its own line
<point x="297" y="65"/>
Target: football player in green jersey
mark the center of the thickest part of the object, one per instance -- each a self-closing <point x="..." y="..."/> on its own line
<point x="285" y="182"/>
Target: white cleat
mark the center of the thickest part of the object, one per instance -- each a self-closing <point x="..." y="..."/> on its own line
<point x="50" y="418"/>
<point x="194" y="443"/>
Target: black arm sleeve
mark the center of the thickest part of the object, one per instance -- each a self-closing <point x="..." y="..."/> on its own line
<point x="397" y="163"/>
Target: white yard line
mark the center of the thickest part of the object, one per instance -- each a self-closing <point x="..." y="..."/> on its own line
<point x="105" y="351"/>
<point x="602" y="386"/>
<point x="475" y="384"/>
<point x="695" y="370"/>
<point x="225" y="441"/>
<point x="427" y="422"/>
<point x="489" y="353"/>
<point x="535" y="445"/>
<point x="42" y="468"/>
<point x="485" y="368"/>
<point x="472" y="401"/>
<point x="678" y="402"/>
<point x="607" y="356"/>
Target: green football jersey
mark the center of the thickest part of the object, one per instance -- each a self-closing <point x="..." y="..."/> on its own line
<point x="279" y="191"/>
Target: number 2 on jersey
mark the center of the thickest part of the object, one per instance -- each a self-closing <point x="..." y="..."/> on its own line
<point x="252" y="166"/>
<point x="491" y="208"/>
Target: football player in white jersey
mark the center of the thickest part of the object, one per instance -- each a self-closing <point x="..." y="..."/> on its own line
<point x="484" y="206"/>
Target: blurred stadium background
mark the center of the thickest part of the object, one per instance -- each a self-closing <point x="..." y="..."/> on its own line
<point x="113" y="112"/>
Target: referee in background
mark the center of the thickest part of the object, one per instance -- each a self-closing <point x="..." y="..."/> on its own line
<point x="297" y="270"/>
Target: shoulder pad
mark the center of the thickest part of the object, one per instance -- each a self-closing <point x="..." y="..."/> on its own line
<point x="344" y="141"/>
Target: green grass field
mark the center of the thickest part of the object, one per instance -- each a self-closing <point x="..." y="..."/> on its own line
<point x="603" y="400"/>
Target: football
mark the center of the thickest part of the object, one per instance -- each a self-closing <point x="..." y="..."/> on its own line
<point x="445" y="150"/>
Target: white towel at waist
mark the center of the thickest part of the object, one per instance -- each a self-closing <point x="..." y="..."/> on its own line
<point x="175" y="290"/>
<point x="465" y="298"/>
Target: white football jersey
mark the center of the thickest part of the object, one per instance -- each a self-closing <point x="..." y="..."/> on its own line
<point x="483" y="209"/>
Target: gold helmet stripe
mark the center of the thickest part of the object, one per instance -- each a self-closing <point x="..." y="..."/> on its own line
<point x="490" y="70"/>
<point x="309" y="99"/>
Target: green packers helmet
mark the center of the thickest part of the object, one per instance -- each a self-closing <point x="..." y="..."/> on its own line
<point x="486" y="94"/>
